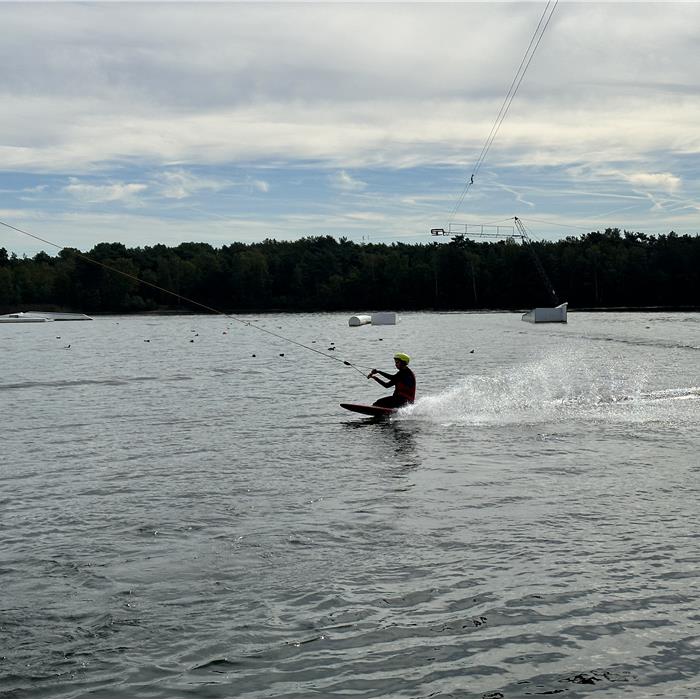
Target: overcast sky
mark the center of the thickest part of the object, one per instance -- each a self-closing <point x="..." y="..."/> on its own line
<point x="169" y="122"/>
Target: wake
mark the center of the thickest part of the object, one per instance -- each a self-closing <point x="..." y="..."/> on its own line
<point x="557" y="388"/>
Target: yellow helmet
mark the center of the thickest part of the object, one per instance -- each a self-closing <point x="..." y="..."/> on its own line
<point x="402" y="356"/>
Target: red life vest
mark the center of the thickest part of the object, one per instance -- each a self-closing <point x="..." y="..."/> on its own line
<point x="405" y="386"/>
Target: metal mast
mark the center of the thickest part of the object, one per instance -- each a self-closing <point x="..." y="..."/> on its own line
<point x="538" y="264"/>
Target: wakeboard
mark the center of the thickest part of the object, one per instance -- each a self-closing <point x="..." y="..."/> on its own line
<point x="379" y="411"/>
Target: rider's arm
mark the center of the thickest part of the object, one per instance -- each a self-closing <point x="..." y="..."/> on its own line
<point x="373" y="375"/>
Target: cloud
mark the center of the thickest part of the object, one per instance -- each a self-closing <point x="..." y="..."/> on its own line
<point x="113" y="192"/>
<point x="368" y="216"/>
<point x="260" y="185"/>
<point x="183" y="184"/>
<point x="519" y="196"/>
<point x="180" y="184"/>
<point x="137" y="82"/>
<point x="27" y="194"/>
<point x="342" y="181"/>
<point x="657" y="181"/>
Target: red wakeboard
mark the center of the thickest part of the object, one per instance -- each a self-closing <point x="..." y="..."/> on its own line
<point x="368" y="410"/>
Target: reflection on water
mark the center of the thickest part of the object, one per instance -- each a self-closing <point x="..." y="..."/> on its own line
<point x="404" y="439"/>
<point x="390" y="435"/>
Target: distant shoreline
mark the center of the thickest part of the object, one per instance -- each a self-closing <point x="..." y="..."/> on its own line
<point x="187" y="312"/>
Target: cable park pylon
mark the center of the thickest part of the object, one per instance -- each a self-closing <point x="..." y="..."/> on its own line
<point x="544" y="314"/>
<point x="499" y="232"/>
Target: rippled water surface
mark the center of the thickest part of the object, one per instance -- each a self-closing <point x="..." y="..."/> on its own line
<point x="186" y="511"/>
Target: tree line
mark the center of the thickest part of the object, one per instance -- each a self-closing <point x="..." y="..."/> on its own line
<point x="596" y="270"/>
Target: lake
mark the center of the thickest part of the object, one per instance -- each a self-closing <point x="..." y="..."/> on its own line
<point x="186" y="511"/>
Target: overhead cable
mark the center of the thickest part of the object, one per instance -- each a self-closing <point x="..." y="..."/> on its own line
<point x="512" y="91"/>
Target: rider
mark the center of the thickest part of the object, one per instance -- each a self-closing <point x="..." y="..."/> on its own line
<point x="404" y="383"/>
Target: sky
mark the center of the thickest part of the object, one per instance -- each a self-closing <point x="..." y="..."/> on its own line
<point x="165" y="122"/>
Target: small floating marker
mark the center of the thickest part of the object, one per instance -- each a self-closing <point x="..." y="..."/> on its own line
<point x="281" y="354"/>
<point x="253" y="355"/>
<point x="58" y="337"/>
<point x="146" y="340"/>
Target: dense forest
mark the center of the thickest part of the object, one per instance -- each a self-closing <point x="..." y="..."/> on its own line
<point x="595" y="270"/>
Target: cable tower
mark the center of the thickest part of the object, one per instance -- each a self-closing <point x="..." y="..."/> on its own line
<point x="500" y="232"/>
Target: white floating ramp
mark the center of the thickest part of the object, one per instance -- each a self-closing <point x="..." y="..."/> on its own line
<point x="59" y="315"/>
<point x="547" y="314"/>
<point x="39" y="316"/>
<point x="21" y="317"/>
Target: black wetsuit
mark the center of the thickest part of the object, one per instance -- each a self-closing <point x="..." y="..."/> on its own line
<point x="404" y="383"/>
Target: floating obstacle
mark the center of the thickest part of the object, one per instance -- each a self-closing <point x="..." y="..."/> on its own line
<point x="41" y="316"/>
<point x="546" y="314"/>
<point x="359" y="320"/>
<point x="382" y="318"/>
